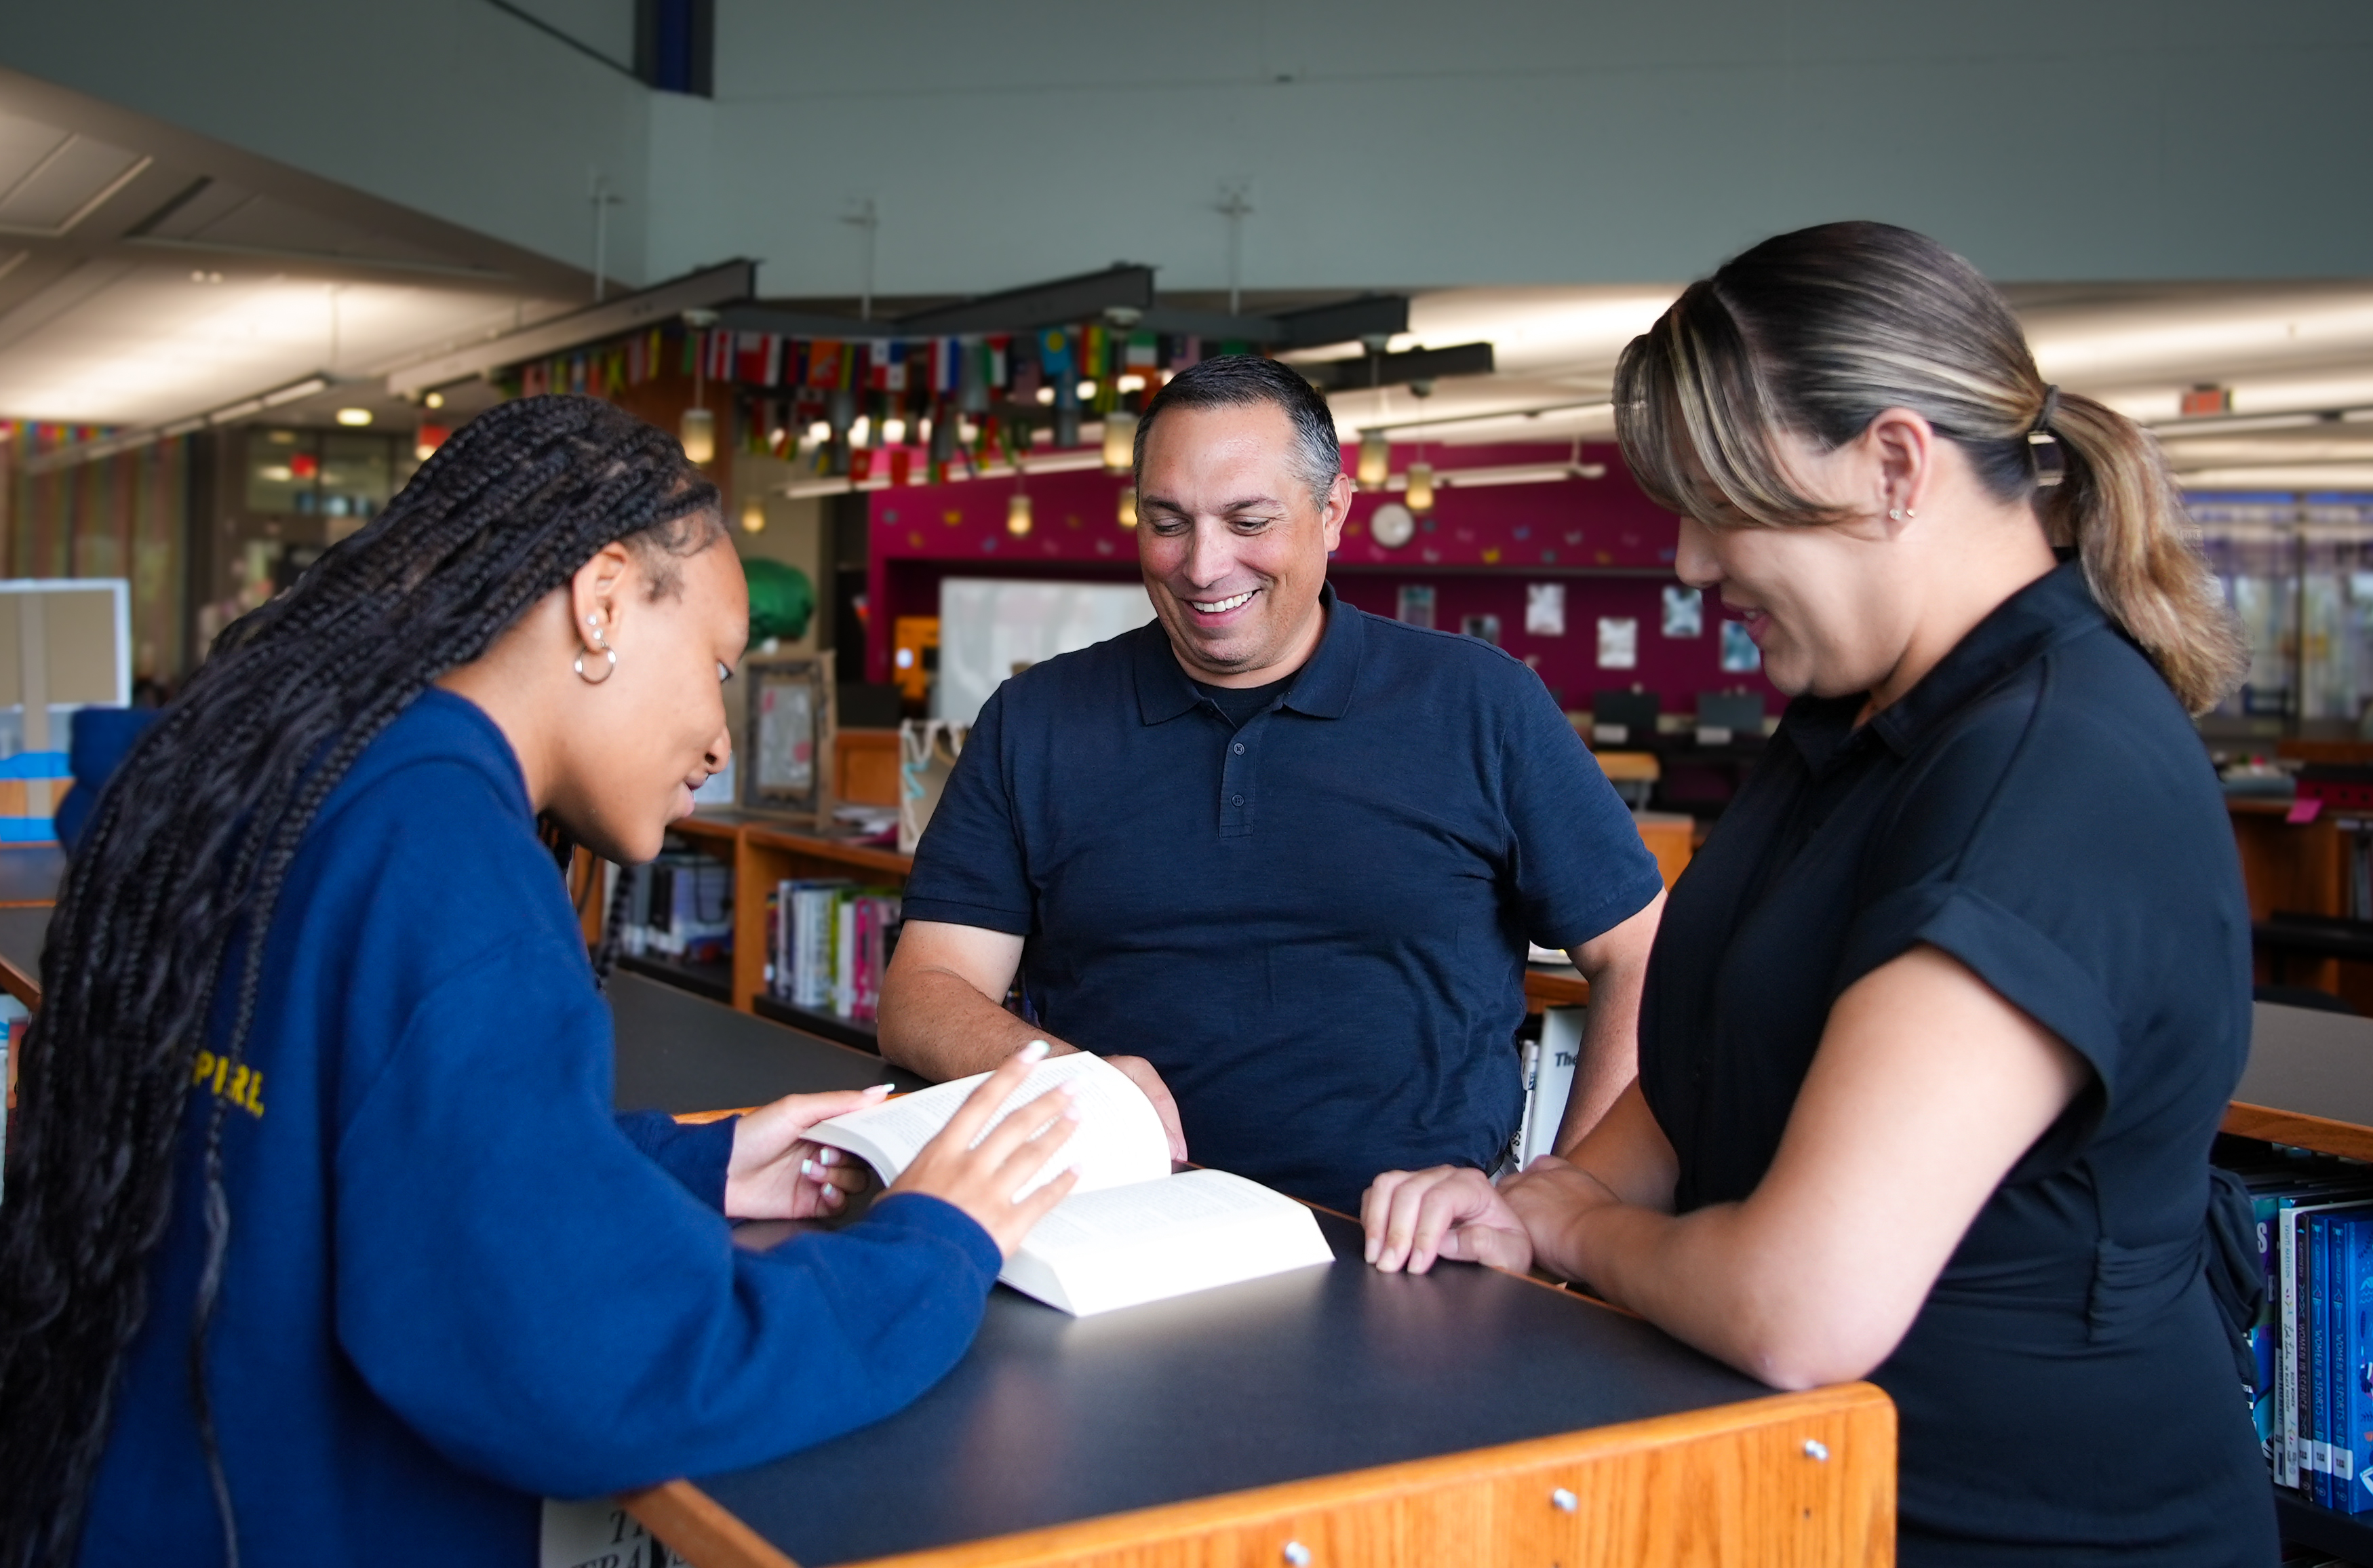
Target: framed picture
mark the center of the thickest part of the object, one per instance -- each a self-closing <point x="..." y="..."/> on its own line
<point x="789" y="735"/>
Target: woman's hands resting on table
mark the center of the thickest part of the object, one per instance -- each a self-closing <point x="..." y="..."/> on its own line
<point x="776" y="1173"/>
<point x="1454" y="1211"/>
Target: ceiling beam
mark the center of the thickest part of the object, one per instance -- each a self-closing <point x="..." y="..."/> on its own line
<point x="1400" y="369"/>
<point x="721" y="284"/>
<point x="1346" y="321"/>
<point x="1122" y="288"/>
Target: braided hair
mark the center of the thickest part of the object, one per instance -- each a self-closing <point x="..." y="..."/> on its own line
<point x="183" y="863"/>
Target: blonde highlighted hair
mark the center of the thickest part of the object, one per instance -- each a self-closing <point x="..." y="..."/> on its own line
<point x="1816" y="332"/>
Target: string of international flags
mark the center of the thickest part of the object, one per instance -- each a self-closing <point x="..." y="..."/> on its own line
<point x="998" y="388"/>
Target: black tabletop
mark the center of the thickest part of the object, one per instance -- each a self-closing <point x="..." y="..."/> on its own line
<point x="30" y="873"/>
<point x="678" y="1052"/>
<point x="22" y="934"/>
<point x="2310" y="1061"/>
<point x="1052" y="1419"/>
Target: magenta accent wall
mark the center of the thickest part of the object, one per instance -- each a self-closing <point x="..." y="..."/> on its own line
<point x="1604" y="540"/>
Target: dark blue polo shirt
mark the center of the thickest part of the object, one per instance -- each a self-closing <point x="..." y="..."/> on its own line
<point x="1313" y="925"/>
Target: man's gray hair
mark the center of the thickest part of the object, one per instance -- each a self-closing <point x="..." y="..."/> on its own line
<point x="1239" y="380"/>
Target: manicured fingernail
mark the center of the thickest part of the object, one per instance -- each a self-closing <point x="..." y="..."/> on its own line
<point x="879" y="1089"/>
<point x="832" y="1196"/>
<point x="827" y="1156"/>
<point x="806" y="1167"/>
<point x="1035" y="1050"/>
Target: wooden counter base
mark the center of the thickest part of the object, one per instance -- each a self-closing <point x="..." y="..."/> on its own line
<point x="1734" y="1484"/>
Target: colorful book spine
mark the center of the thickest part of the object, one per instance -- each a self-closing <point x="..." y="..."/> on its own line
<point x="2318" y="1357"/>
<point x="2353" y="1458"/>
<point x="2262" y="1333"/>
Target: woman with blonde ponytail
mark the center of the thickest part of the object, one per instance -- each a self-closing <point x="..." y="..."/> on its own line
<point x="1941" y="1022"/>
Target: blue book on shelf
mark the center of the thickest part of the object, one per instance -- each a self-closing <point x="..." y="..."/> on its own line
<point x="2319" y="1356"/>
<point x="2352" y="1456"/>
<point x="2336" y="1361"/>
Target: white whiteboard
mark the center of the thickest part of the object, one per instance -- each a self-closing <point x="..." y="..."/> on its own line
<point x="988" y="626"/>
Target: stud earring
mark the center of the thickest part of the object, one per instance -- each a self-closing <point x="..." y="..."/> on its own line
<point x="1895" y="514"/>
<point x="605" y="650"/>
<point x="1911" y="511"/>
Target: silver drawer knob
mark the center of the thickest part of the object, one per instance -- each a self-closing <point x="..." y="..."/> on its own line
<point x="1565" y="1501"/>
<point x="1816" y="1449"/>
<point x="1297" y="1554"/>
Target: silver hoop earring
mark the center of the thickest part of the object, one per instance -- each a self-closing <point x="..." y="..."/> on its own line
<point x="608" y="654"/>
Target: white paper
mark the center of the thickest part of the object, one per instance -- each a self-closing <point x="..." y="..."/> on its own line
<point x="1684" y="612"/>
<point x="598" y="1534"/>
<point x="1618" y="642"/>
<point x="1739" y="653"/>
<point x="1545" y="609"/>
<point x="1119" y="1138"/>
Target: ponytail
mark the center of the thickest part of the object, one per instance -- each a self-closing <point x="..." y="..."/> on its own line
<point x="1816" y="331"/>
<point x="2124" y="515"/>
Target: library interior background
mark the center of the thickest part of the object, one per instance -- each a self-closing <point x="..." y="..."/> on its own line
<point x="902" y="279"/>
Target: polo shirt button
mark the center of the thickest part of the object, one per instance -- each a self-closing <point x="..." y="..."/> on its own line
<point x="1235" y="799"/>
<point x="1239" y="748"/>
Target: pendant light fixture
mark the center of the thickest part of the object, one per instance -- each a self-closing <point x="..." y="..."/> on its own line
<point x="754" y="515"/>
<point x="1418" y="496"/>
<point x="1120" y="441"/>
<point x="698" y="429"/>
<point x="1376" y="458"/>
<point x="1129" y="507"/>
<point x="1017" y="513"/>
<point x="698" y="434"/>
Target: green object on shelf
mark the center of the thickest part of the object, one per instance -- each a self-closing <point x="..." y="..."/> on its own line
<point x="782" y="599"/>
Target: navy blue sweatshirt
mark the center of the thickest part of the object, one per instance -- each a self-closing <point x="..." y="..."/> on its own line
<point x="456" y="1281"/>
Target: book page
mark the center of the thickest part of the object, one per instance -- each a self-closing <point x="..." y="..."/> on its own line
<point x="1119" y="1138"/>
<point x="1123" y="1247"/>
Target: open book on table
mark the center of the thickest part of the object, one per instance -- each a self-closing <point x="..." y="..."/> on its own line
<point x="1131" y="1232"/>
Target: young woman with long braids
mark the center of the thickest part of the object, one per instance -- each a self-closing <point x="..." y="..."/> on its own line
<point x="1941" y="1022"/>
<point x="320" y="1236"/>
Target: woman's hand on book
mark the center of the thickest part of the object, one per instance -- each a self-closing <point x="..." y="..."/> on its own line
<point x="985" y="1181"/>
<point x="1414" y="1217"/>
<point x="776" y="1173"/>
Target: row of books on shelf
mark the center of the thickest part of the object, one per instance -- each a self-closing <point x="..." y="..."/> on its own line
<point x="828" y="942"/>
<point x="2313" y="1339"/>
<point x="680" y="906"/>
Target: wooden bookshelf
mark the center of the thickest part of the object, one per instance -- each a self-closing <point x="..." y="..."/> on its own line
<point x="766" y="853"/>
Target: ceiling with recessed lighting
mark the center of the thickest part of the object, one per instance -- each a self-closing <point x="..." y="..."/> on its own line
<point x="147" y="274"/>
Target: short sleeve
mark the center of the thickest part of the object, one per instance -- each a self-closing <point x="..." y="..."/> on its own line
<point x="969" y="869"/>
<point x="2026" y="967"/>
<point x="1580" y="867"/>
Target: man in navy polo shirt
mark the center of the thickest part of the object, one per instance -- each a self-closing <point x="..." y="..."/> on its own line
<point x="1276" y="858"/>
